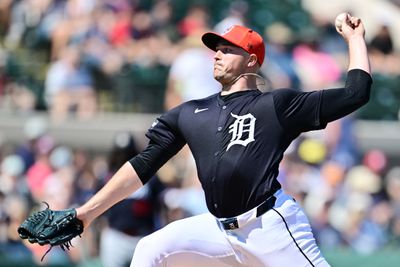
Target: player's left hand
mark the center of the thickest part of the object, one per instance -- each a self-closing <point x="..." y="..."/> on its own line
<point x="56" y="228"/>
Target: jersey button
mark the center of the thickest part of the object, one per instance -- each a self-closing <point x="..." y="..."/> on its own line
<point x="216" y="153"/>
<point x="223" y="107"/>
<point x="215" y="205"/>
<point x="219" y="128"/>
<point x="213" y="179"/>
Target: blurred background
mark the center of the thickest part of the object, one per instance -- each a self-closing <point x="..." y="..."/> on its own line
<point x="82" y="80"/>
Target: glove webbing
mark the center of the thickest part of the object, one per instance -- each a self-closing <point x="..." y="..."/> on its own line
<point x="64" y="246"/>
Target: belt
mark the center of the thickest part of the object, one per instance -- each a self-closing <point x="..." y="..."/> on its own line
<point x="235" y="222"/>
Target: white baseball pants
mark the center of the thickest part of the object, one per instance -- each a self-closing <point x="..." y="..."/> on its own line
<point x="280" y="237"/>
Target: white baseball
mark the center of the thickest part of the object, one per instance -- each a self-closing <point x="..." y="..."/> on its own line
<point x="339" y="20"/>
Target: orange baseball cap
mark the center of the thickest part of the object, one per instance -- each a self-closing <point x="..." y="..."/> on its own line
<point x="240" y="36"/>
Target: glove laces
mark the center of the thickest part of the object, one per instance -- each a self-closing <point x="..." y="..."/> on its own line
<point x="65" y="246"/>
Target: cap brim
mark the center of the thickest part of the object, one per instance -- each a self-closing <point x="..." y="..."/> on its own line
<point x="211" y="40"/>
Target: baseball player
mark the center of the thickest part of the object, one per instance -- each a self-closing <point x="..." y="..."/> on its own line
<point x="238" y="138"/>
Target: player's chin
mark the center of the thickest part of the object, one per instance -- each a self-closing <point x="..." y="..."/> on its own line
<point x="222" y="80"/>
<point x="218" y="76"/>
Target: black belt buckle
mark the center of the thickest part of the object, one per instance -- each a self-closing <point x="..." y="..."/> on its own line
<point x="230" y="223"/>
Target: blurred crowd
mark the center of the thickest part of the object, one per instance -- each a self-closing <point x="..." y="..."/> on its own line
<point x="77" y="58"/>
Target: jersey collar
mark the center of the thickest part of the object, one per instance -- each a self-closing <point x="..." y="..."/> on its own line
<point x="223" y="99"/>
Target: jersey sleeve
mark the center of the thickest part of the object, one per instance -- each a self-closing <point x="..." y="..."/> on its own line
<point x="298" y="111"/>
<point x="339" y="102"/>
<point x="165" y="141"/>
<point x="165" y="130"/>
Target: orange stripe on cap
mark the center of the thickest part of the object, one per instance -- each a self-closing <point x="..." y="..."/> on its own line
<point x="243" y="37"/>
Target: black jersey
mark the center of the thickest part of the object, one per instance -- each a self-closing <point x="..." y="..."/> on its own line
<point x="237" y="141"/>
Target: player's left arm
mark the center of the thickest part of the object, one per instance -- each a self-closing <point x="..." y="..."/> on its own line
<point x="337" y="103"/>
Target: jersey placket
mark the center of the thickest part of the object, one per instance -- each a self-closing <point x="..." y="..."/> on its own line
<point x="217" y="155"/>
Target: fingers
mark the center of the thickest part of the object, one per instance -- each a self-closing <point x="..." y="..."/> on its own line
<point x="353" y="22"/>
<point x="352" y="26"/>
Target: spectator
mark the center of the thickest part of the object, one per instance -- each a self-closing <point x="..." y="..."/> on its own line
<point x="69" y="86"/>
<point x="11" y="175"/>
<point x="236" y="16"/>
<point x="316" y="68"/>
<point x="280" y="70"/>
<point x="132" y="218"/>
<point x="384" y="59"/>
<point x="382" y="41"/>
<point x="38" y="174"/>
<point x="190" y="76"/>
<point x="13" y="210"/>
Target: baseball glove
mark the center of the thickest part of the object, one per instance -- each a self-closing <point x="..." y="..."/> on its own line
<point x="56" y="228"/>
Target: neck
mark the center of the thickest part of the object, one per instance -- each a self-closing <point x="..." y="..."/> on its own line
<point x="243" y="82"/>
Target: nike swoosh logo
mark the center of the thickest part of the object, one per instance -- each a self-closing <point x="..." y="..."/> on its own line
<point x="197" y="110"/>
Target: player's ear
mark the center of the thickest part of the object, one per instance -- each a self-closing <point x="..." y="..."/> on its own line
<point x="252" y="60"/>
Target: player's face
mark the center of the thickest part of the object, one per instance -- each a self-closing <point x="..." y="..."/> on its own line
<point x="229" y="62"/>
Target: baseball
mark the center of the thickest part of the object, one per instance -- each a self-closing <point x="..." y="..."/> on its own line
<point x="339" y="20"/>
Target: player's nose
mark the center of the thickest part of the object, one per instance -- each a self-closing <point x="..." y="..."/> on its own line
<point x="217" y="55"/>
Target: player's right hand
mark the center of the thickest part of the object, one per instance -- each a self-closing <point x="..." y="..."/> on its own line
<point x="352" y="27"/>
